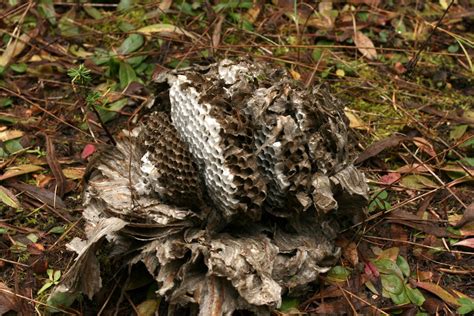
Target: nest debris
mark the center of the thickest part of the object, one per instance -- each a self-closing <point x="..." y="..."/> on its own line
<point x="230" y="191"/>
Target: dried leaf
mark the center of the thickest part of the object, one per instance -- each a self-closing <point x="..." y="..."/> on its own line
<point x="424" y="145"/>
<point x="8" y="198"/>
<point x="355" y="121"/>
<point x="379" y="146"/>
<point x="163" y="28"/>
<point x="216" y="35"/>
<point x="350" y="253"/>
<point x="438" y="291"/>
<point x="55" y="166"/>
<point x="19" y="170"/>
<point x="413" y="221"/>
<point x="467" y="217"/>
<point x="414" y="168"/>
<point x="466" y="243"/>
<point x="365" y="45"/>
<point x="14" y="48"/>
<point x="390" y="178"/>
<point x="8" y="301"/>
<point x="390" y="253"/>
<point x="74" y="173"/>
<point x="42" y="195"/>
<point x="10" y="134"/>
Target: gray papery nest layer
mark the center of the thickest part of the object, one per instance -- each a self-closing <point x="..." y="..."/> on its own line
<point x="229" y="192"/>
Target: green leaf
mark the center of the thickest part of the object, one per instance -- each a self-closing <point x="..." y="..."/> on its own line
<point x="8" y="198"/>
<point x="458" y="131"/>
<point x="60" y="299"/>
<point x="387" y="266"/>
<point x="67" y="27"/>
<point x="126" y="75"/>
<point x="93" y="12"/>
<point x="19" y="68"/>
<point x="46" y="9"/>
<point x="399" y="299"/>
<point x="418" y="182"/>
<point x="371" y="287"/>
<point x="132" y="43"/>
<point x="32" y="237"/>
<point x="108" y="113"/>
<point x="415" y="296"/>
<point x="5" y="102"/>
<point x="13" y="145"/>
<point x="56" y="276"/>
<point x="453" y="48"/>
<point x="46" y="286"/>
<point x="403" y="265"/>
<point x="56" y="230"/>
<point x="467" y="305"/>
<point x="288" y="304"/>
<point x="124" y="5"/>
<point x="338" y="274"/>
<point x="392" y="283"/>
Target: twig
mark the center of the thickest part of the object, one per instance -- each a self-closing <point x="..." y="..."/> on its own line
<point x="412" y="63"/>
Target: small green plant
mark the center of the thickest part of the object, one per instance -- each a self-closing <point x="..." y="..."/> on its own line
<point x="80" y="75"/>
<point x="467" y="305"/>
<point x="53" y="279"/>
<point x="379" y="202"/>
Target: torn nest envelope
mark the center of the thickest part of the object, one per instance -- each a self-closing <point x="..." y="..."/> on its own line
<point x="230" y="191"/>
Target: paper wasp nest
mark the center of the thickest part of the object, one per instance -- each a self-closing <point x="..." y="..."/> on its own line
<point x="231" y="188"/>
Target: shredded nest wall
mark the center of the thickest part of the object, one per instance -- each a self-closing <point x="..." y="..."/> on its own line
<point x="230" y="193"/>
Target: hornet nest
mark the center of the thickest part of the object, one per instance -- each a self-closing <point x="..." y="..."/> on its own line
<point x="229" y="192"/>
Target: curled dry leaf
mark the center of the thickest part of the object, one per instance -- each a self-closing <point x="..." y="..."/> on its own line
<point x="467" y="217"/>
<point x="381" y="145"/>
<point x="163" y="28"/>
<point x="365" y="45"/>
<point x="15" y="47"/>
<point x="10" y="134"/>
<point x="19" y="170"/>
<point x="439" y="291"/>
<point x="466" y="243"/>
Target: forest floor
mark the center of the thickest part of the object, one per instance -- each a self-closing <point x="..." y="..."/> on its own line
<point x="67" y="65"/>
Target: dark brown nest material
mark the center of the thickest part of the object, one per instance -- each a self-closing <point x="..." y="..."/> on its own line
<point x="230" y="192"/>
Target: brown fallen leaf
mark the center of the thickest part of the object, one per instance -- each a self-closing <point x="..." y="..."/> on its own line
<point x="379" y="146"/>
<point x="466" y="243"/>
<point x="365" y="45"/>
<point x="216" y="35"/>
<point x="438" y="291"/>
<point x="467" y="217"/>
<point x="413" y="221"/>
<point x="425" y="146"/>
<point x="40" y="194"/>
<point x="15" y="47"/>
<point x="414" y="168"/>
<point x="8" y="301"/>
<point x="54" y="165"/>
<point x="10" y="134"/>
<point x="19" y="170"/>
<point x="390" y="178"/>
